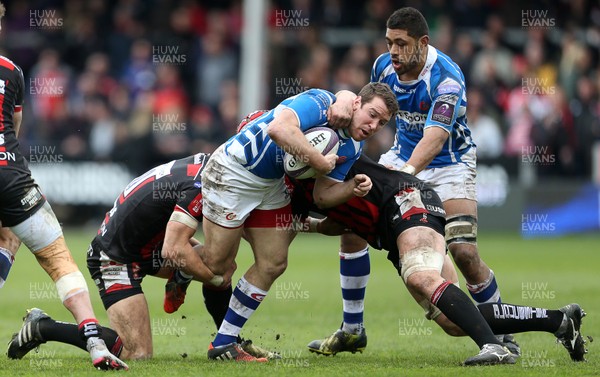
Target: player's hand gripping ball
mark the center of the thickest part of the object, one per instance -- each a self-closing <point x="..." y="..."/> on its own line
<point x="324" y="139"/>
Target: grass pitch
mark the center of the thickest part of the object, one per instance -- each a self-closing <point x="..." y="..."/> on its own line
<point x="305" y="304"/>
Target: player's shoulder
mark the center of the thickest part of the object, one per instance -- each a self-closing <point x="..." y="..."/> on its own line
<point x="9" y="64"/>
<point x="446" y="74"/>
<point x="382" y="67"/>
<point x="322" y="97"/>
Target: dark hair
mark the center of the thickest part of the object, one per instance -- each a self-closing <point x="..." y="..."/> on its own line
<point x="382" y="90"/>
<point x="409" y="19"/>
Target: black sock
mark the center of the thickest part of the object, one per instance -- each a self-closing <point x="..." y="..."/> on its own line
<point x="64" y="332"/>
<point x="509" y="319"/>
<point x="457" y="306"/>
<point x="217" y="302"/>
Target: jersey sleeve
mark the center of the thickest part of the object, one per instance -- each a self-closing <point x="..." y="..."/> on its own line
<point x="19" y="90"/>
<point x="445" y="103"/>
<point x="348" y="153"/>
<point x="311" y="107"/>
<point x="190" y="204"/>
<point x="377" y="69"/>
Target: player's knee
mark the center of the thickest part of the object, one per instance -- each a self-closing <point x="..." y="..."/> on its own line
<point x="274" y="269"/>
<point x="465" y="256"/>
<point x="420" y="259"/>
<point x="9" y="241"/>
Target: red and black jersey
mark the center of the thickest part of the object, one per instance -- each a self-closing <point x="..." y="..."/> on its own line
<point x="394" y="197"/>
<point x="12" y="88"/>
<point x="134" y="229"/>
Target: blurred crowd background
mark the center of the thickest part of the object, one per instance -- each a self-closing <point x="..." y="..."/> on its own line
<point x="145" y="81"/>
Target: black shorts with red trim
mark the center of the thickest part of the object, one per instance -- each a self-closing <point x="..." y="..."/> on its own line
<point x="115" y="280"/>
<point x="428" y="212"/>
<point x="20" y="196"/>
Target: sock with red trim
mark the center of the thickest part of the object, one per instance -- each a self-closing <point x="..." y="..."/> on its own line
<point x="457" y="306"/>
<point x="69" y="333"/>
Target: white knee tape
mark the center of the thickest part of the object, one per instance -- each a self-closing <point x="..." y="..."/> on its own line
<point x="70" y="285"/>
<point x="421" y="259"/>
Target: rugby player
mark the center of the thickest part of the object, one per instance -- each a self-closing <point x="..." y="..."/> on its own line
<point x="405" y="216"/>
<point x="149" y="231"/>
<point x="432" y="142"/>
<point x="27" y="217"/>
<point x="244" y="192"/>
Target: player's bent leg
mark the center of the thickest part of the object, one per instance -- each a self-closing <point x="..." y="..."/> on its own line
<point x="422" y="261"/>
<point x="269" y="245"/>
<point x="270" y="248"/>
<point x="130" y="318"/>
<point x="220" y="246"/>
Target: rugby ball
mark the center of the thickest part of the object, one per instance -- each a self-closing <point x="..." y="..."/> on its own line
<point x="324" y="139"/>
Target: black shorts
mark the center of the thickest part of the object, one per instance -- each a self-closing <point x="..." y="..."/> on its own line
<point x="430" y="215"/>
<point x="20" y="196"/>
<point x="116" y="280"/>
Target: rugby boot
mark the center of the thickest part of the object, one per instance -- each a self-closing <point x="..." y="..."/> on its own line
<point x="257" y="351"/>
<point x="339" y="341"/>
<point x="174" y="294"/>
<point x="569" y="334"/>
<point x="492" y="354"/>
<point x="232" y="352"/>
<point x="29" y="336"/>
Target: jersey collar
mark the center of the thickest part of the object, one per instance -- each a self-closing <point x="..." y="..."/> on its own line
<point x="426" y="71"/>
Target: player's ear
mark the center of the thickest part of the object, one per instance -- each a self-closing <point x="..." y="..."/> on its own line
<point x="356" y="103"/>
<point x="424" y="41"/>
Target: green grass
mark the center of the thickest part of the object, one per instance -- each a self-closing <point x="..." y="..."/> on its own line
<point x="305" y="304"/>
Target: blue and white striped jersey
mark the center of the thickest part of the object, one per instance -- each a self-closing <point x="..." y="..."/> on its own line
<point x="436" y="99"/>
<point x="254" y="149"/>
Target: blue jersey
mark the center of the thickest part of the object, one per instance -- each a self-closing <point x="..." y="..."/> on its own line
<point x="436" y="99"/>
<point x="254" y="149"/>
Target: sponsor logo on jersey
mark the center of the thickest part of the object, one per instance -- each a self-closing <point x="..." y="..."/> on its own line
<point x="2" y="85"/>
<point x="448" y="86"/>
<point x="31" y="199"/>
<point x="402" y="90"/>
<point x="195" y="207"/>
<point x="1" y="139"/>
<point x="443" y="109"/>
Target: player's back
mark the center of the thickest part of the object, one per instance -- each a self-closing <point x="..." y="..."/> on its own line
<point x="134" y="228"/>
<point x="437" y="98"/>
<point x="11" y="101"/>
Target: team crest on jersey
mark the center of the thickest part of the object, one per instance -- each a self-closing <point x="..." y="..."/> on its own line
<point x="2" y="86"/>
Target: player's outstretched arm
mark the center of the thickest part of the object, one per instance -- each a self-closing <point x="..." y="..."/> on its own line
<point x="178" y="249"/>
<point x="426" y="149"/>
<point x="329" y="193"/>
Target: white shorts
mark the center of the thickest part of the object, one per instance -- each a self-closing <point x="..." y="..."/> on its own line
<point x="230" y="192"/>
<point x="450" y="182"/>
